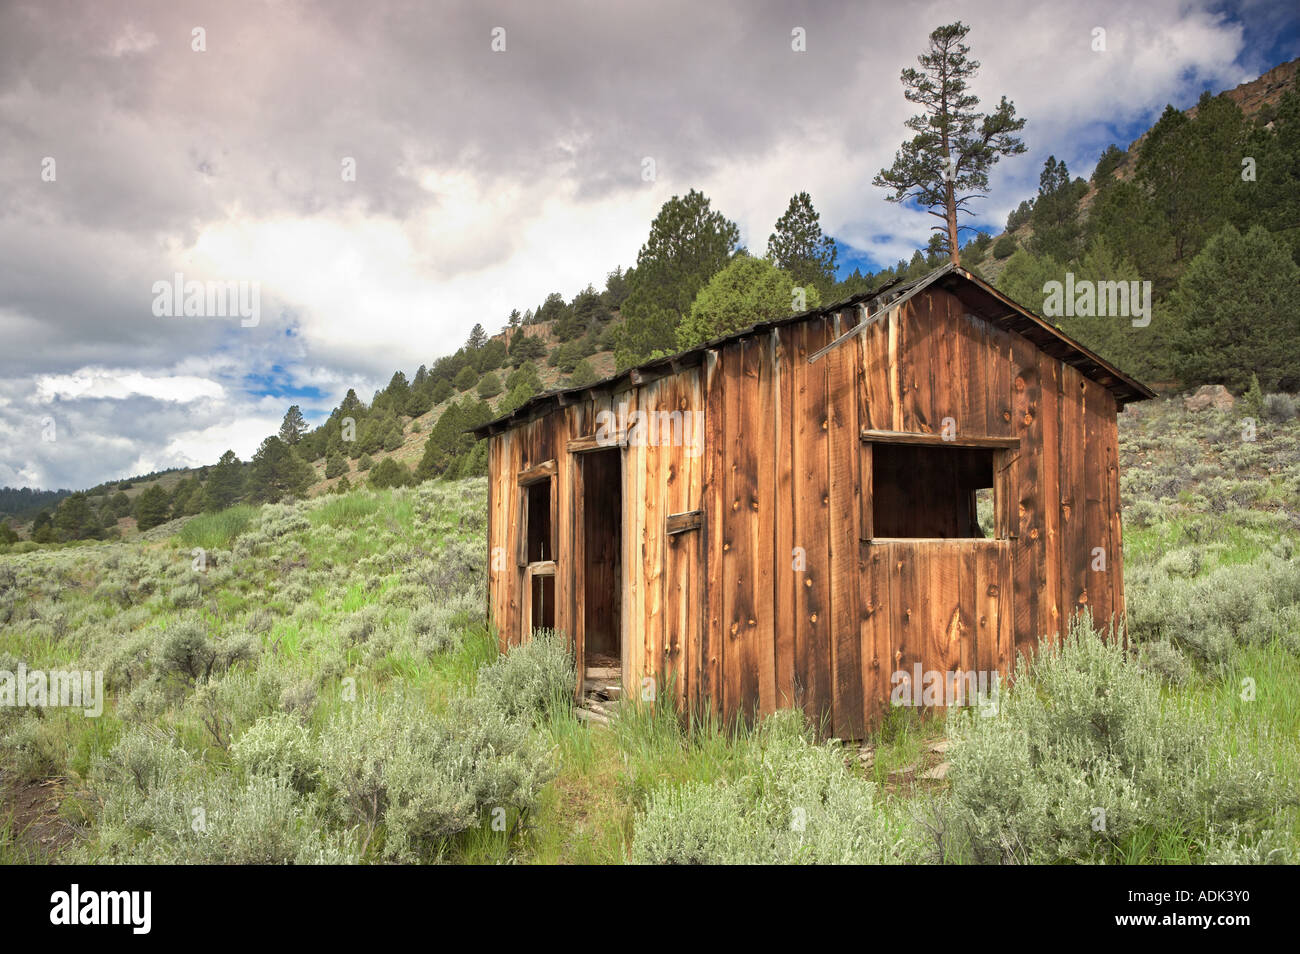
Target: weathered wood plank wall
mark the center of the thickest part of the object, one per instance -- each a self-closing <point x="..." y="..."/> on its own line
<point x="783" y="596"/>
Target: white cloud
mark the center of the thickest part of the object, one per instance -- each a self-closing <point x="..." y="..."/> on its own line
<point x="120" y="384"/>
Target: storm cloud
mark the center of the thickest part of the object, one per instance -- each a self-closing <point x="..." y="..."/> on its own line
<point x="484" y="178"/>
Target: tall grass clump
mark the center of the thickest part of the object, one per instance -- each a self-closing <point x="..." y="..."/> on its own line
<point x="216" y="531"/>
<point x="1084" y="761"/>
<point x="349" y="510"/>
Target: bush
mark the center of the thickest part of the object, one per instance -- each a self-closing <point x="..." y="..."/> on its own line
<point x="187" y="651"/>
<point x="157" y="806"/>
<point x="466" y="379"/>
<point x="1280" y="407"/>
<point x="424" y="778"/>
<point x="336" y="465"/>
<point x="390" y="472"/>
<point x="795" y="803"/>
<point x="279" y="745"/>
<point x="1004" y="247"/>
<point x="1083" y="763"/>
<point x="532" y="679"/>
<point x="489" y="386"/>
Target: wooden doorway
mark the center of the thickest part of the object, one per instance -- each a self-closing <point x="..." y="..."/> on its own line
<point x="598" y="538"/>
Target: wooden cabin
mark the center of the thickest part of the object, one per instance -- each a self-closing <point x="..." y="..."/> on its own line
<point x="790" y="516"/>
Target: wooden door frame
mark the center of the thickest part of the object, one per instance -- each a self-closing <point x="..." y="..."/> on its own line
<point x="579" y="448"/>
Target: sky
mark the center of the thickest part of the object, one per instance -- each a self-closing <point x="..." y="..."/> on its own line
<point x="379" y="177"/>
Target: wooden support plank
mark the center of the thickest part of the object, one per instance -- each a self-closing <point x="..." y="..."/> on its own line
<point x="1025" y="501"/>
<point x="814" y="639"/>
<point x="739" y="659"/>
<point x="537" y="473"/>
<point x="843" y="513"/>
<point x="937" y="440"/>
<point x="761" y="357"/>
<point x="681" y="522"/>
<point x="1050" y="608"/>
<point x="785" y="581"/>
<point x="714" y="638"/>
<point x="1096" y="493"/>
<point x="1074" y="582"/>
<point x="877" y="651"/>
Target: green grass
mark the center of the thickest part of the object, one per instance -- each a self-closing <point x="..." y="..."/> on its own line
<point x="217" y="531"/>
<point x="347" y="510"/>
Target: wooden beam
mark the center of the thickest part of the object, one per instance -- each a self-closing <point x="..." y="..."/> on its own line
<point x="537" y="473"/>
<point x="542" y="568"/>
<point x="681" y="522"/>
<point x="935" y="440"/>
<point x="584" y="445"/>
<point x="884" y="309"/>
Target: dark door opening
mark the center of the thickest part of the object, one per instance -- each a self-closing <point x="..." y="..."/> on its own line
<point x="602" y="548"/>
<point x="539" y="552"/>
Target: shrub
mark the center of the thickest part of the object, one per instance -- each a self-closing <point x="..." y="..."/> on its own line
<point x="157" y="806"/>
<point x="795" y="803"/>
<point x="425" y="778"/>
<point x="1004" y="247"/>
<point x="1280" y="407"/>
<point x="532" y="679"/>
<point x="279" y="745"/>
<point x="390" y="473"/>
<point x="188" y="651"/>
<point x="1082" y="762"/>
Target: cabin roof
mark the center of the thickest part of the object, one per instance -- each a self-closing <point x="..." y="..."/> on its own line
<point x="981" y="298"/>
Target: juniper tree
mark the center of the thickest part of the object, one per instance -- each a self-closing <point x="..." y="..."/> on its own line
<point x="947" y="162"/>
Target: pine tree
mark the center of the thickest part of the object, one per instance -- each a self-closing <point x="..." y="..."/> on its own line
<point x="151" y="508"/>
<point x="1055" y="218"/>
<point x="799" y="247"/>
<point x="225" y="483"/>
<point x="1233" y="313"/>
<point x="689" y="243"/>
<point x="747" y="291"/>
<point x="466" y="379"/>
<point x="294" y="426"/>
<point x="947" y="163"/>
<point x="276" y="471"/>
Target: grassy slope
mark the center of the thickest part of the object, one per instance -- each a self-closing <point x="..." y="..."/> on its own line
<point x="331" y="588"/>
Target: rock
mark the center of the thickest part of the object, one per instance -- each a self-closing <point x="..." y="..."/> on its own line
<point x="937" y="773"/>
<point x="905" y="770"/>
<point x="940" y="747"/>
<point x="1209" y="396"/>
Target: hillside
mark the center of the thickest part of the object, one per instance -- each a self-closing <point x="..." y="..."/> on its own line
<point x="1258" y="98"/>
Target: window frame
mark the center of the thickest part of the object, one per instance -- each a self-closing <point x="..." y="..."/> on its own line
<point x="1005" y="451"/>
